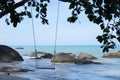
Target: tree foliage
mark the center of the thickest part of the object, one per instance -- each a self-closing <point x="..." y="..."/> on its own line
<point x="9" y="7"/>
<point x="105" y="13"/>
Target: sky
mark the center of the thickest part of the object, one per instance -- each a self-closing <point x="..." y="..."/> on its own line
<point x="79" y="33"/>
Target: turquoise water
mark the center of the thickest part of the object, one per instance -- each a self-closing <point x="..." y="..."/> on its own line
<point x="91" y="49"/>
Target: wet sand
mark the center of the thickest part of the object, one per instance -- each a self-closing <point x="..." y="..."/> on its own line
<point x="9" y="77"/>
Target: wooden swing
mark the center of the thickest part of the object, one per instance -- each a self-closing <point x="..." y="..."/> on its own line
<point x="55" y="43"/>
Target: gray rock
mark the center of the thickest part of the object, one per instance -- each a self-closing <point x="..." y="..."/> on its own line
<point x="63" y="58"/>
<point x="112" y="55"/>
<point x="13" y="69"/>
<point x="85" y="56"/>
<point x="7" y="54"/>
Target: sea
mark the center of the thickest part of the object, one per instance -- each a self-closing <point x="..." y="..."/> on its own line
<point x="108" y="70"/>
<point x="74" y="49"/>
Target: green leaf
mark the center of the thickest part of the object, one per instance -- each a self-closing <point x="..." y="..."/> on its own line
<point x="112" y="28"/>
<point x="118" y="38"/>
<point x="29" y="14"/>
<point x="25" y="8"/>
<point x="71" y="6"/>
<point x="44" y="21"/>
<point x="41" y="0"/>
<point x="6" y="20"/>
<point x="111" y="46"/>
<point x="65" y="0"/>
<point x="37" y="9"/>
<point x="29" y="3"/>
<point x="99" y="2"/>
<point x="118" y="32"/>
<point x="118" y="23"/>
<point x="99" y="38"/>
<point x="48" y="1"/>
<point x="98" y="20"/>
<point x="91" y="17"/>
<point x="34" y="4"/>
<point x="106" y="30"/>
<point x="37" y="15"/>
<point x="78" y="11"/>
<point x="88" y="11"/>
<point x="72" y="19"/>
<point x="113" y="36"/>
<point x="8" y="23"/>
<point x="15" y="24"/>
<point x="45" y="5"/>
<point x="105" y="49"/>
<point x="101" y="46"/>
<point x="102" y="26"/>
<point x="105" y="35"/>
<point x="110" y="17"/>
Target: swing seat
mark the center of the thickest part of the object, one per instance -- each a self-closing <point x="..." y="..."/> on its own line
<point x="45" y="67"/>
<point x="44" y="64"/>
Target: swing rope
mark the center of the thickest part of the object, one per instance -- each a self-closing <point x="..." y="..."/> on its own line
<point x="56" y="30"/>
<point x="34" y="37"/>
<point x="56" y="35"/>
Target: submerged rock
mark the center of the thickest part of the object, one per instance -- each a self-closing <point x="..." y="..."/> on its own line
<point x="7" y="54"/>
<point x="83" y="62"/>
<point x="13" y="69"/>
<point x="19" y="48"/>
<point x="63" y="58"/>
<point x="33" y="54"/>
<point x="112" y="55"/>
<point x="47" y="55"/>
<point x="85" y="56"/>
<point x="80" y="62"/>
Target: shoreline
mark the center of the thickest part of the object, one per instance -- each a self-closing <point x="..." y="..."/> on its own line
<point x="67" y="71"/>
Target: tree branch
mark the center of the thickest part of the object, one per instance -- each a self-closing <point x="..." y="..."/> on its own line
<point x="21" y="3"/>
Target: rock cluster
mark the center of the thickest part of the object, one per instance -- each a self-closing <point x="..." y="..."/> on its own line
<point x="83" y="58"/>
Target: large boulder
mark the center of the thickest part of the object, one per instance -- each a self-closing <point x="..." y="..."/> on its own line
<point x="7" y="54"/>
<point x="63" y="58"/>
<point x="112" y="55"/>
<point x="85" y="56"/>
